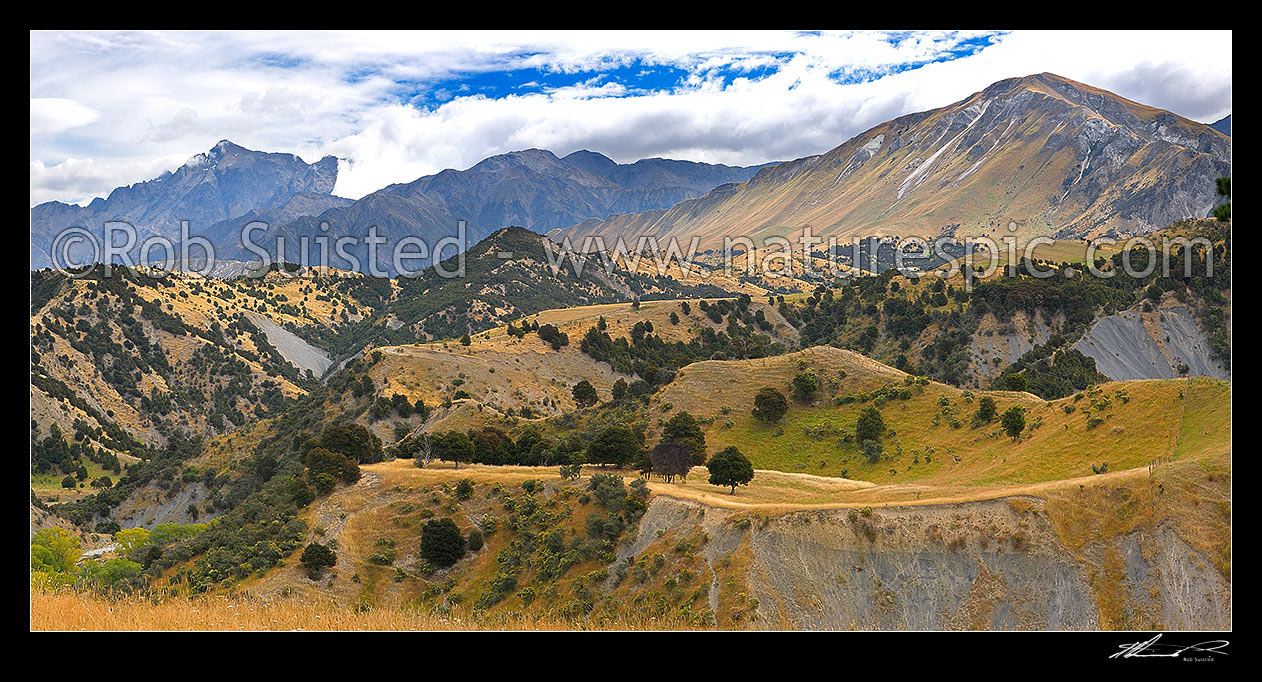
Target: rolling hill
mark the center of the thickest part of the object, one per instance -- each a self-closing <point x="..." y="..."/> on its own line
<point x="976" y="532"/>
<point x="507" y="276"/>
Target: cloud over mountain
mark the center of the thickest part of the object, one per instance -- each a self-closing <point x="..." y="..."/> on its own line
<point x="399" y="106"/>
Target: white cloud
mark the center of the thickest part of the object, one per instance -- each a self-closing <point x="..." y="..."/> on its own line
<point x="56" y="182"/>
<point x="53" y="115"/>
<point x="132" y="96"/>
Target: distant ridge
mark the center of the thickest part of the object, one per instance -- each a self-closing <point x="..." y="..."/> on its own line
<point x="1223" y="125"/>
<point x="225" y="188"/>
<point x="228" y="181"/>
<point x="531" y="188"/>
<point x="1049" y="155"/>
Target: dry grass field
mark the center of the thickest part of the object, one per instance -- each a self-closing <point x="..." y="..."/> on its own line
<point x="72" y="611"/>
<point x="503" y="372"/>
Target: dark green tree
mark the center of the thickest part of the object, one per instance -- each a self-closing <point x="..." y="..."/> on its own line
<point x="769" y="405"/>
<point x="805" y="385"/>
<point x="401" y="405"/>
<point x="684" y="429"/>
<point x="986" y="411"/>
<point x="316" y="557"/>
<point x="870" y="425"/>
<point x="730" y="468"/>
<point x="441" y="542"/>
<point x="354" y="441"/>
<point x="301" y="492"/>
<point x="584" y="394"/>
<point x="1015" y="382"/>
<point x="320" y="460"/>
<point x="616" y="445"/>
<point x="1014" y="421"/>
<point x="872" y="450"/>
<point x="454" y="446"/>
<point x="619" y="389"/>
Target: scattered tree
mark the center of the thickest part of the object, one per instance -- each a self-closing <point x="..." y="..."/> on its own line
<point x="585" y="394"/>
<point x="870" y="425"/>
<point x="670" y="460"/>
<point x="770" y="405"/>
<point x="805" y="385"/>
<point x="453" y="446"/>
<point x="616" y="445"/>
<point x="684" y="429"/>
<point x="872" y="451"/>
<point x="553" y="336"/>
<point x="619" y="389"/>
<point x="316" y="557"/>
<point x="986" y="410"/>
<point x="1014" y="421"/>
<point x="441" y="542"/>
<point x="354" y="441"/>
<point x="730" y="468"/>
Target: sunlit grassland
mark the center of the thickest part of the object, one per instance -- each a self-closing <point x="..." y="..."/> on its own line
<point x="81" y="611"/>
<point x="1138" y="424"/>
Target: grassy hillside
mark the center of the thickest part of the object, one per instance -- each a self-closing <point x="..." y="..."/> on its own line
<point x="506" y="373"/>
<point x="121" y="363"/>
<point x="934" y="440"/>
<point x="1083" y="474"/>
<point x="507" y="276"/>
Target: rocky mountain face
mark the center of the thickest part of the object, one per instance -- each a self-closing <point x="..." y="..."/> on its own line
<point x="1223" y="125"/>
<point x="221" y="191"/>
<point x="537" y="190"/>
<point x="532" y="188"/>
<point x="1052" y="156"/>
<point x="229" y="181"/>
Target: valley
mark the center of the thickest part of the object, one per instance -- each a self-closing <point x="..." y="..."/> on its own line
<point x="551" y="443"/>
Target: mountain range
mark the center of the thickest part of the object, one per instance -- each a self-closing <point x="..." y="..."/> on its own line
<point x="225" y="182"/>
<point x="1052" y="156"/>
<point x="224" y="189"/>
<point x="1223" y="125"/>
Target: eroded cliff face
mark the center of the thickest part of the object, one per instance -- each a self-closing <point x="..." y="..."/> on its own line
<point x="995" y="564"/>
<point x="1134" y="344"/>
<point x="151" y="505"/>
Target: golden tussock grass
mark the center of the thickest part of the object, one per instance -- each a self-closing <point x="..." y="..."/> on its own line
<point x="68" y="610"/>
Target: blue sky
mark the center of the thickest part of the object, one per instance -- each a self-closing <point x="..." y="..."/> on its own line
<point x="114" y="108"/>
<point x="639" y="77"/>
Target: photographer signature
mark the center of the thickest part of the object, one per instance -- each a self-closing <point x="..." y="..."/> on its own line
<point x="1151" y="649"/>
